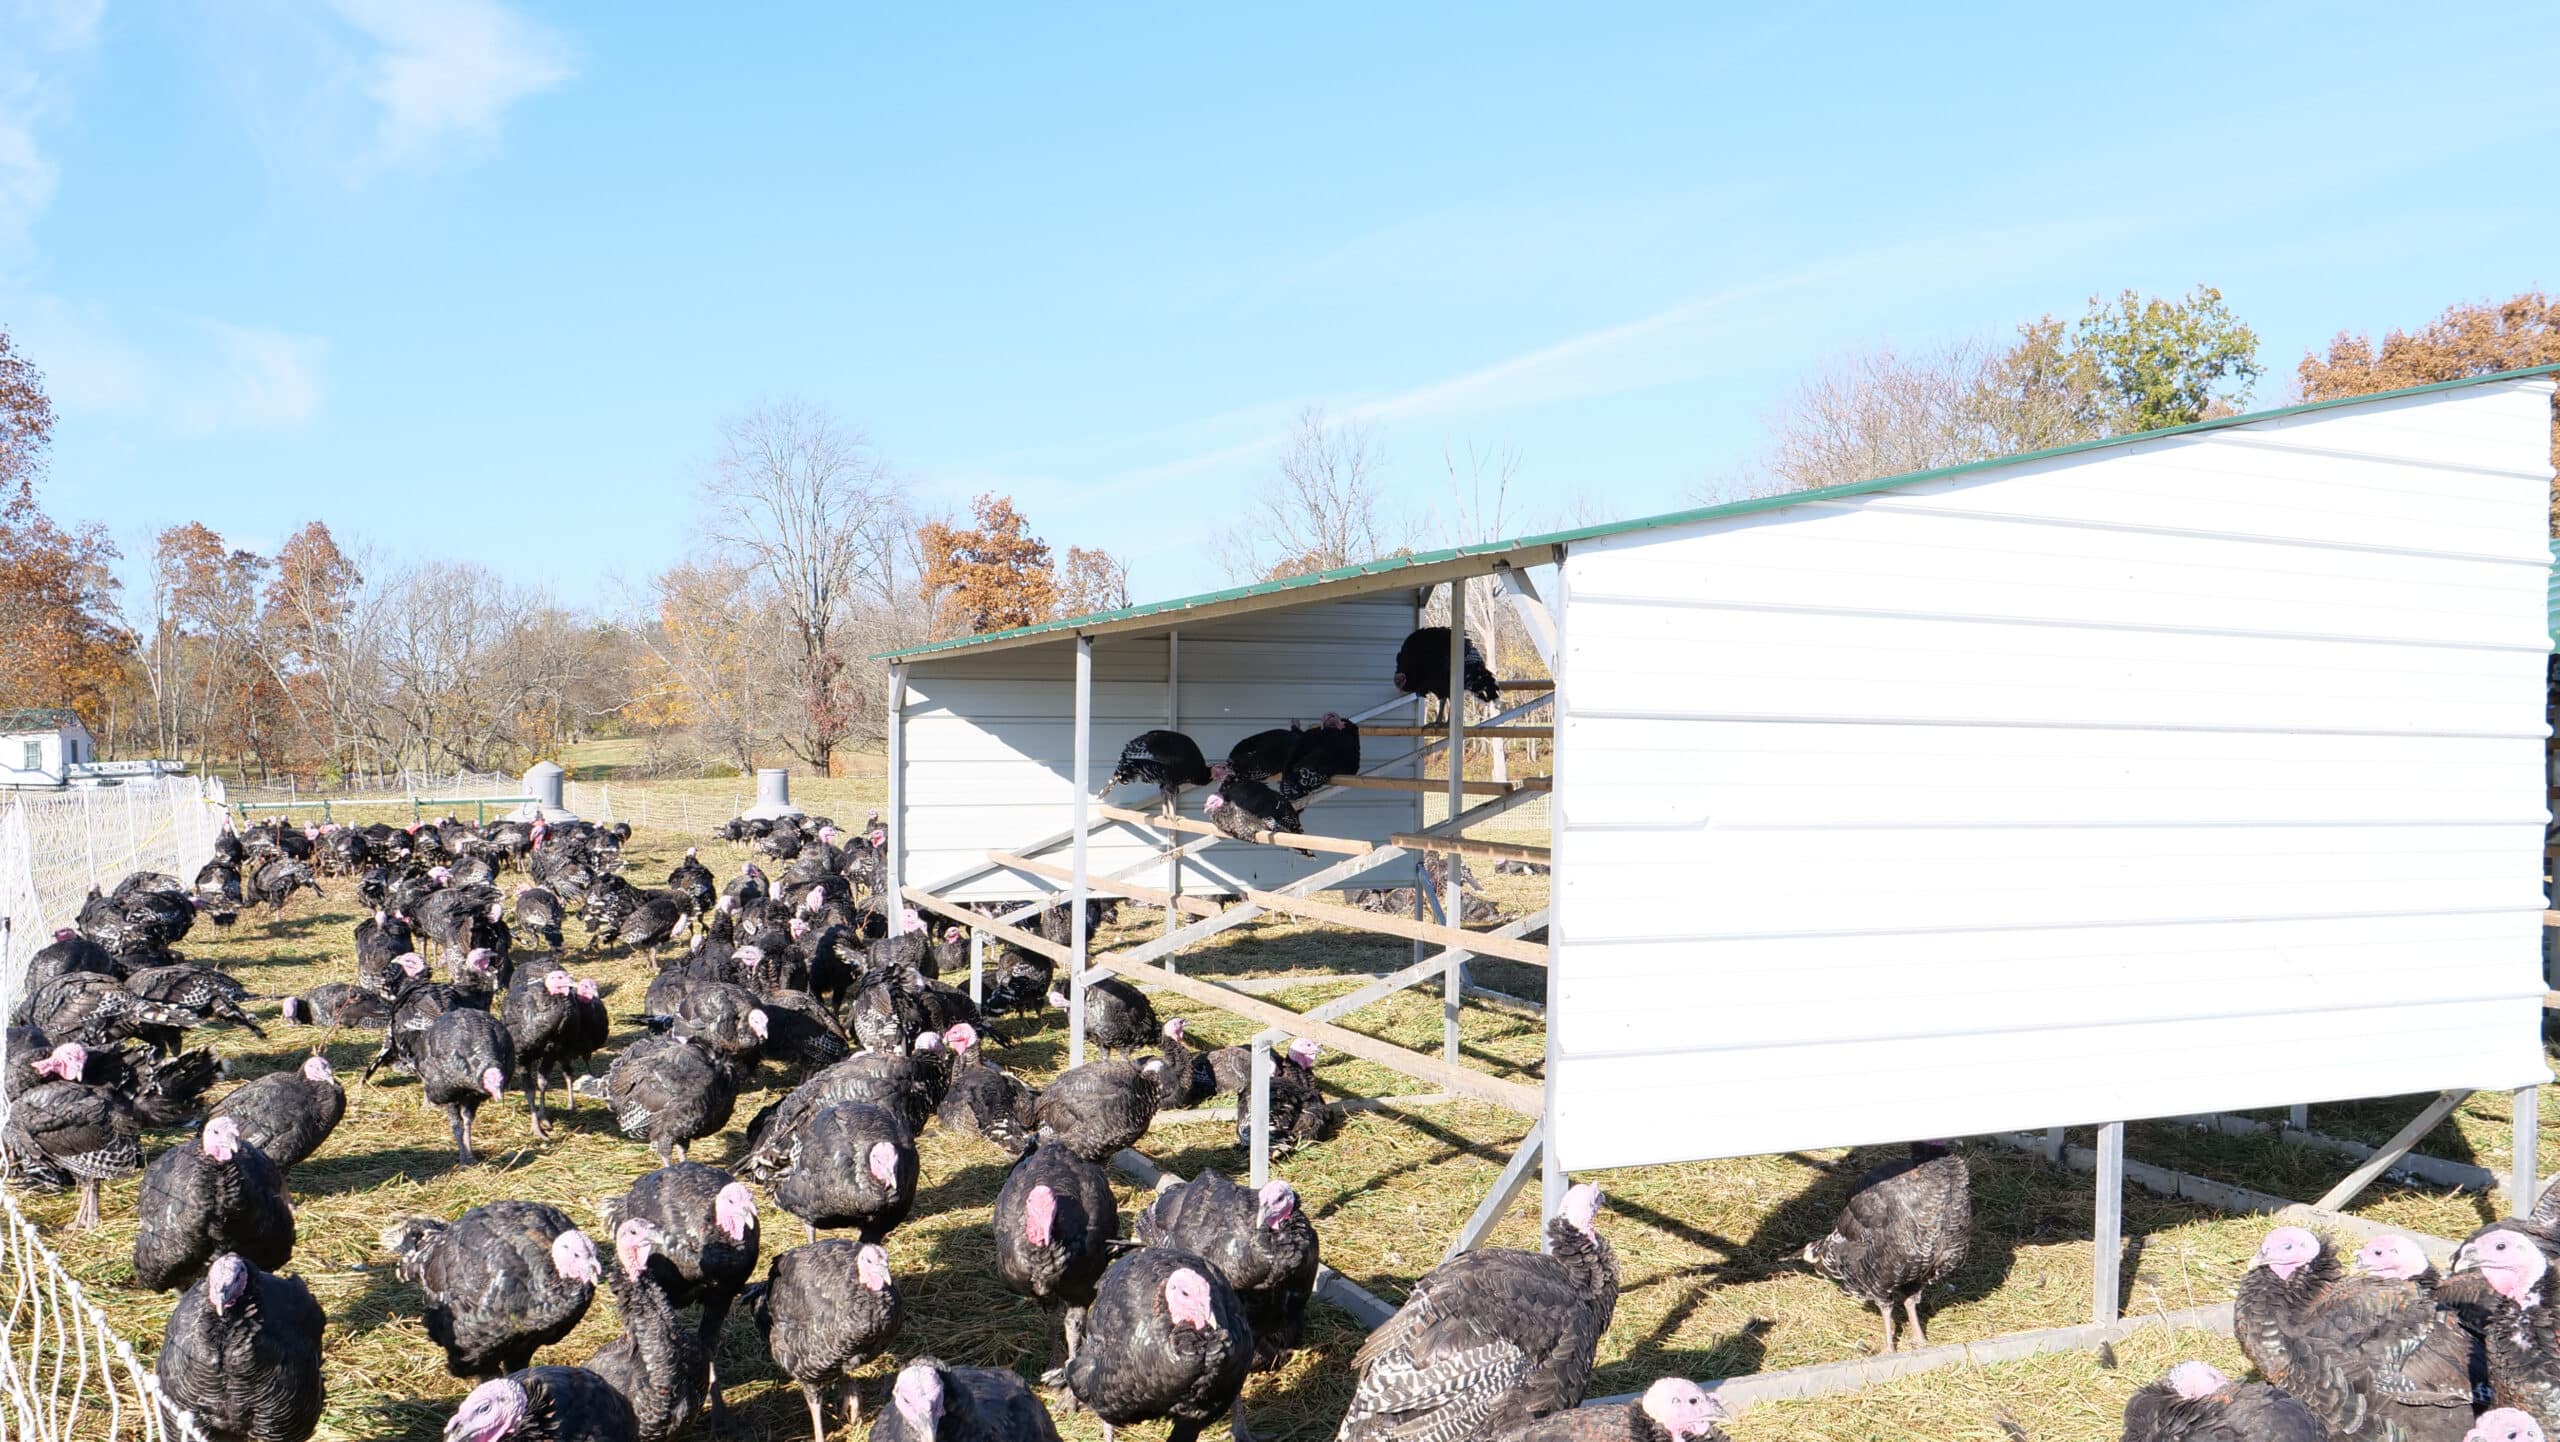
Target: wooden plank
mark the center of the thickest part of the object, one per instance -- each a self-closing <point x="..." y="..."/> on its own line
<point x="1528" y="1101"/>
<point x="1467" y="846"/>
<point x="1501" y="733"/>
<point x="1481" y="943"/>
<point x="1039" y="945"/>
<point x="1153" y="896"/>
<point x="1338" y="845"/>
<point x="1439" y="783"/>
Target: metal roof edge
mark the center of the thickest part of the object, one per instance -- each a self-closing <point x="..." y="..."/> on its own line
<point x="1721" y="510"/>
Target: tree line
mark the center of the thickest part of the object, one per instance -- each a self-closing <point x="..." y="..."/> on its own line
<point x="328" y="661"/>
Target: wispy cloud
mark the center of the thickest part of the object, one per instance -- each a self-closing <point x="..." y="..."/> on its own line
<point x="448" y="70"/>
<point x="185" y="374"/>
<point x="35" y="35"/>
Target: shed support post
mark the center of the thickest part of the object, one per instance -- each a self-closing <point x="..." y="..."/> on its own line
<point x="1076" y="888"/>
<point x="1506" y="1189"/>
<point x="2524" y="1186"/>
<point x="1552" y="1182"/>
<point x="892" y="872"/>
<point x="2108" y="1267"/>
<point x="977" y="966"/>
<point x="2053" y="1145"/>
<point x="2390" y="1154"/>
<point x="1453" y="911"/>
<point x="2299" y="1118"/>
<point x="1172" y="722"/>
<point x="1260" y="1105"/>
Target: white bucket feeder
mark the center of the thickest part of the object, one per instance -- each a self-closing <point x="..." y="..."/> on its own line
<point x="773" y="795"/>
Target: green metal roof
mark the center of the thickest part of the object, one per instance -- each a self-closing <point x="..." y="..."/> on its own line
<point x="1068" y="625"/>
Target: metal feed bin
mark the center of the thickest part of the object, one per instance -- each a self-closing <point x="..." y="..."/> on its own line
<point x="543" y="783"/>
<point x="773" y="795"/>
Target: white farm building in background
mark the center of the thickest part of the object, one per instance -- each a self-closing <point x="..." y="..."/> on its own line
<point x="49" y="747"/>
<point x="2177" y="773"/>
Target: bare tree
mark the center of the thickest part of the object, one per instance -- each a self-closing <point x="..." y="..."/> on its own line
<point x="808" y="507"/>
<point x="1325" y="508"/>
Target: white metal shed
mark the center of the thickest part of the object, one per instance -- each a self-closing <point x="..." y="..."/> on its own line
<point x="2182" y="772"/>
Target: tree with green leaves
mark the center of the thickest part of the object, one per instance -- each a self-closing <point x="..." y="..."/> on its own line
<point x="2154" y="363"/>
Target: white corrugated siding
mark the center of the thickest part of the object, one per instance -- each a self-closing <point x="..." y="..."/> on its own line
<point x="2193" y="775"/>
<point x="990" y="739"/>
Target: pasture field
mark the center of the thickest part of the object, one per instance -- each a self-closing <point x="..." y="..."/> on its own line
<point x="1707" y="1251"/>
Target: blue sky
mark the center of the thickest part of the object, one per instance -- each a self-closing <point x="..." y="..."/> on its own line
<point x="466" y="279"/>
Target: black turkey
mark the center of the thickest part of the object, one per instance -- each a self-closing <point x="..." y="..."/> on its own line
<point x="217" y="892"/>
<point x="543" y="1404"/>
<point x="540" y="915"/>
<point x="68" y="951"/>
<point x="1245" y="809"/>
<point x="722" y="1016"/>
<point x="1673" y="1409"/>
<point x="707" y="1242"/>
<point x="1325" y="750"/>
<point x="500" y="1281"/>
<point x="1165" y="760"/>
<point x="824" y="1311"/>
<point x="388" y="976"/>
<point x="1097" y="1109"/>
<point x="275" y="882"/>
<point x="1258" y="1240"/>
<point x="854" y="1166"/>
<point x="339" y="1004"/>
<point x="2196" y="1403"/>
<point x="1118" y="1017"/>
<point x="2353" y="1348"/>
<point x="2523" y="1335"/>
<point x="1491" y="1339"/>
<point x="552" y="1027"/>
<point x="659" y="1365"/>
<point x="691" y="882"/>
<point x="242" y="1355"/>
<point x="933" y="1403"/>
<point x="669" y="1091"/>
<point x="213" y="1195"/>
<point x="1264" y="755"/>
<point x="200" y="990"/>
<point x="1056" y="1223"/>
<point x="985" y="1100"/>
<point x="905" y="1086"/>
<point x="1905" y="1229"/>
<point x="1300" y="1116"/>
<point x="420" y="1002"/>
<point x="1166" y="1339"/>
<point x="465" y="1058"/>
<point x="287" y="1114"/>
<point x="1422" y="668"/>
<point x="91" y="1133"/>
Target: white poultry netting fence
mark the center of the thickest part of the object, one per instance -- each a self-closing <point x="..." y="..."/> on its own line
<point x="680" y="812"/>
<point x="64" y="1373"/>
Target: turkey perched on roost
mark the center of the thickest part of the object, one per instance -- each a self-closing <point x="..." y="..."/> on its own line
<point x="1165" y="760"/>
<point x="1422" y="669"/>
<point x="1244" y="809"/>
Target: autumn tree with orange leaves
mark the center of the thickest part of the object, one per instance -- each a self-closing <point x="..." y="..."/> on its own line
<point x="2474" y="338"/>
<point x="993" y="577"/>
<point x="60" y="644"/>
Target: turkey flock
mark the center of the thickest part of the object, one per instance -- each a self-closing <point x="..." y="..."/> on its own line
<point x="465" y="970"/>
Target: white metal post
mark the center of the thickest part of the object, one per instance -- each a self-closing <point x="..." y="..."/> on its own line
<point x="1083" y="825"/>
<point x="977" y="966"/>
<point x="1453" y="911"/>
<point x="1172" y="840"/>
<point x="1259" y="1104"/>
<point x="892" y="872"/>
<point x="2299" y="1118"/>
<point x="2524" y="1185"/>
<point x="2108" y="1279"/>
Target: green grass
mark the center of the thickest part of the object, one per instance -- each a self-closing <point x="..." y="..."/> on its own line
<point x="1711" y="1287"/>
